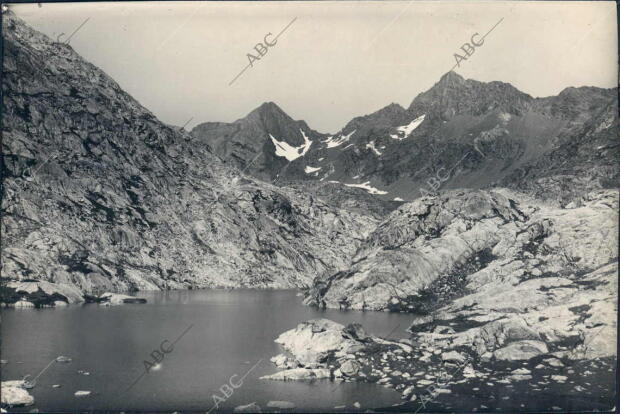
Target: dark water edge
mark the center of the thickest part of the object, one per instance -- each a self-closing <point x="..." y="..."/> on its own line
<point x="225" y="333"/>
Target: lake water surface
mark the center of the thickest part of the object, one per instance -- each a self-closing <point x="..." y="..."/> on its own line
<point x="226" y="333"/>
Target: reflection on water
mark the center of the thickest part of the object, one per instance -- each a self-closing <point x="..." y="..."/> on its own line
<point x="218" y="334"/>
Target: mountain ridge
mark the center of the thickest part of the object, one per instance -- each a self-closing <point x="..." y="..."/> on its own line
<point x="476" y="130"/>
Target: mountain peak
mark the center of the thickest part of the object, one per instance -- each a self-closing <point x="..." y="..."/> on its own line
<point x="269" y="108"/>
<point x="451" y="78"/>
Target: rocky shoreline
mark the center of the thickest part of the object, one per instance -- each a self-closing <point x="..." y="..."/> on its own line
<point x="513" y="377"/>
<point x="42" y="294"/>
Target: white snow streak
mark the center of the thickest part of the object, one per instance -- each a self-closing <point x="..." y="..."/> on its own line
<point x="371" y="145"/>
<point x="366" y="186"/>
<point x="405" y="130"/>
<point x="332" y="143"/>
<point x="310" y="170"/>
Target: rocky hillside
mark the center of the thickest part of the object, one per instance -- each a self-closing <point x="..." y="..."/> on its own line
<point x="100" y="195"/>
<point x="462" y="133"/>
<point x="429" y="251"/>
<point x="503" y="291"/>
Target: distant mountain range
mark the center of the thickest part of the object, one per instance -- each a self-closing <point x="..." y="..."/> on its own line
<point x="461" y="133"/>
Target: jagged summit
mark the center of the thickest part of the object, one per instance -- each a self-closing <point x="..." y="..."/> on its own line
<point x="268" y="109"/>
<point x="451" y="77"/>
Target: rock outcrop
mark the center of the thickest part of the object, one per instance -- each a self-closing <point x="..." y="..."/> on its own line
<point x="27" y="293"/>
<point x="13" y="394"/>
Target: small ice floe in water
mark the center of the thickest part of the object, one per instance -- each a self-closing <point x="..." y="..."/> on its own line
<point x="282" y="405"/>
<point x="62" y="358"/>
<point x="248" y="408"/>
<point x="82" y="393"/>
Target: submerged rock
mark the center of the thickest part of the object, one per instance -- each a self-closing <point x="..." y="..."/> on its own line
<point x="119" y="299"/>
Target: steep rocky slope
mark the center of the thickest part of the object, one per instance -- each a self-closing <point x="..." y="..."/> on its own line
<point x="98" y="194"/>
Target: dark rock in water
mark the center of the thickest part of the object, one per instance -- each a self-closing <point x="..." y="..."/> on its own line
<point x="134" y="300"/>
<point x="117" y="299"/>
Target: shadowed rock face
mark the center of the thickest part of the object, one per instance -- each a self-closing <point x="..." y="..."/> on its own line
<point x="100" y="195"/>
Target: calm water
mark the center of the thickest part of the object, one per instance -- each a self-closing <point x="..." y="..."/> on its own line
<point x="229" y="332"/>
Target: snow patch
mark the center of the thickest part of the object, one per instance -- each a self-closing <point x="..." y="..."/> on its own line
<point x="332" y="143"/>
<point x="405" y="130"/>
<point x="504" y="117"/>
<point x="371" y="145"/>
<point x="310" y="170"/>
<point x="366" y="186"/>
<point x="284" y="149"/>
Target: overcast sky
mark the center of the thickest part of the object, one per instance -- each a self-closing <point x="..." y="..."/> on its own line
<point x="337" y="60"/>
